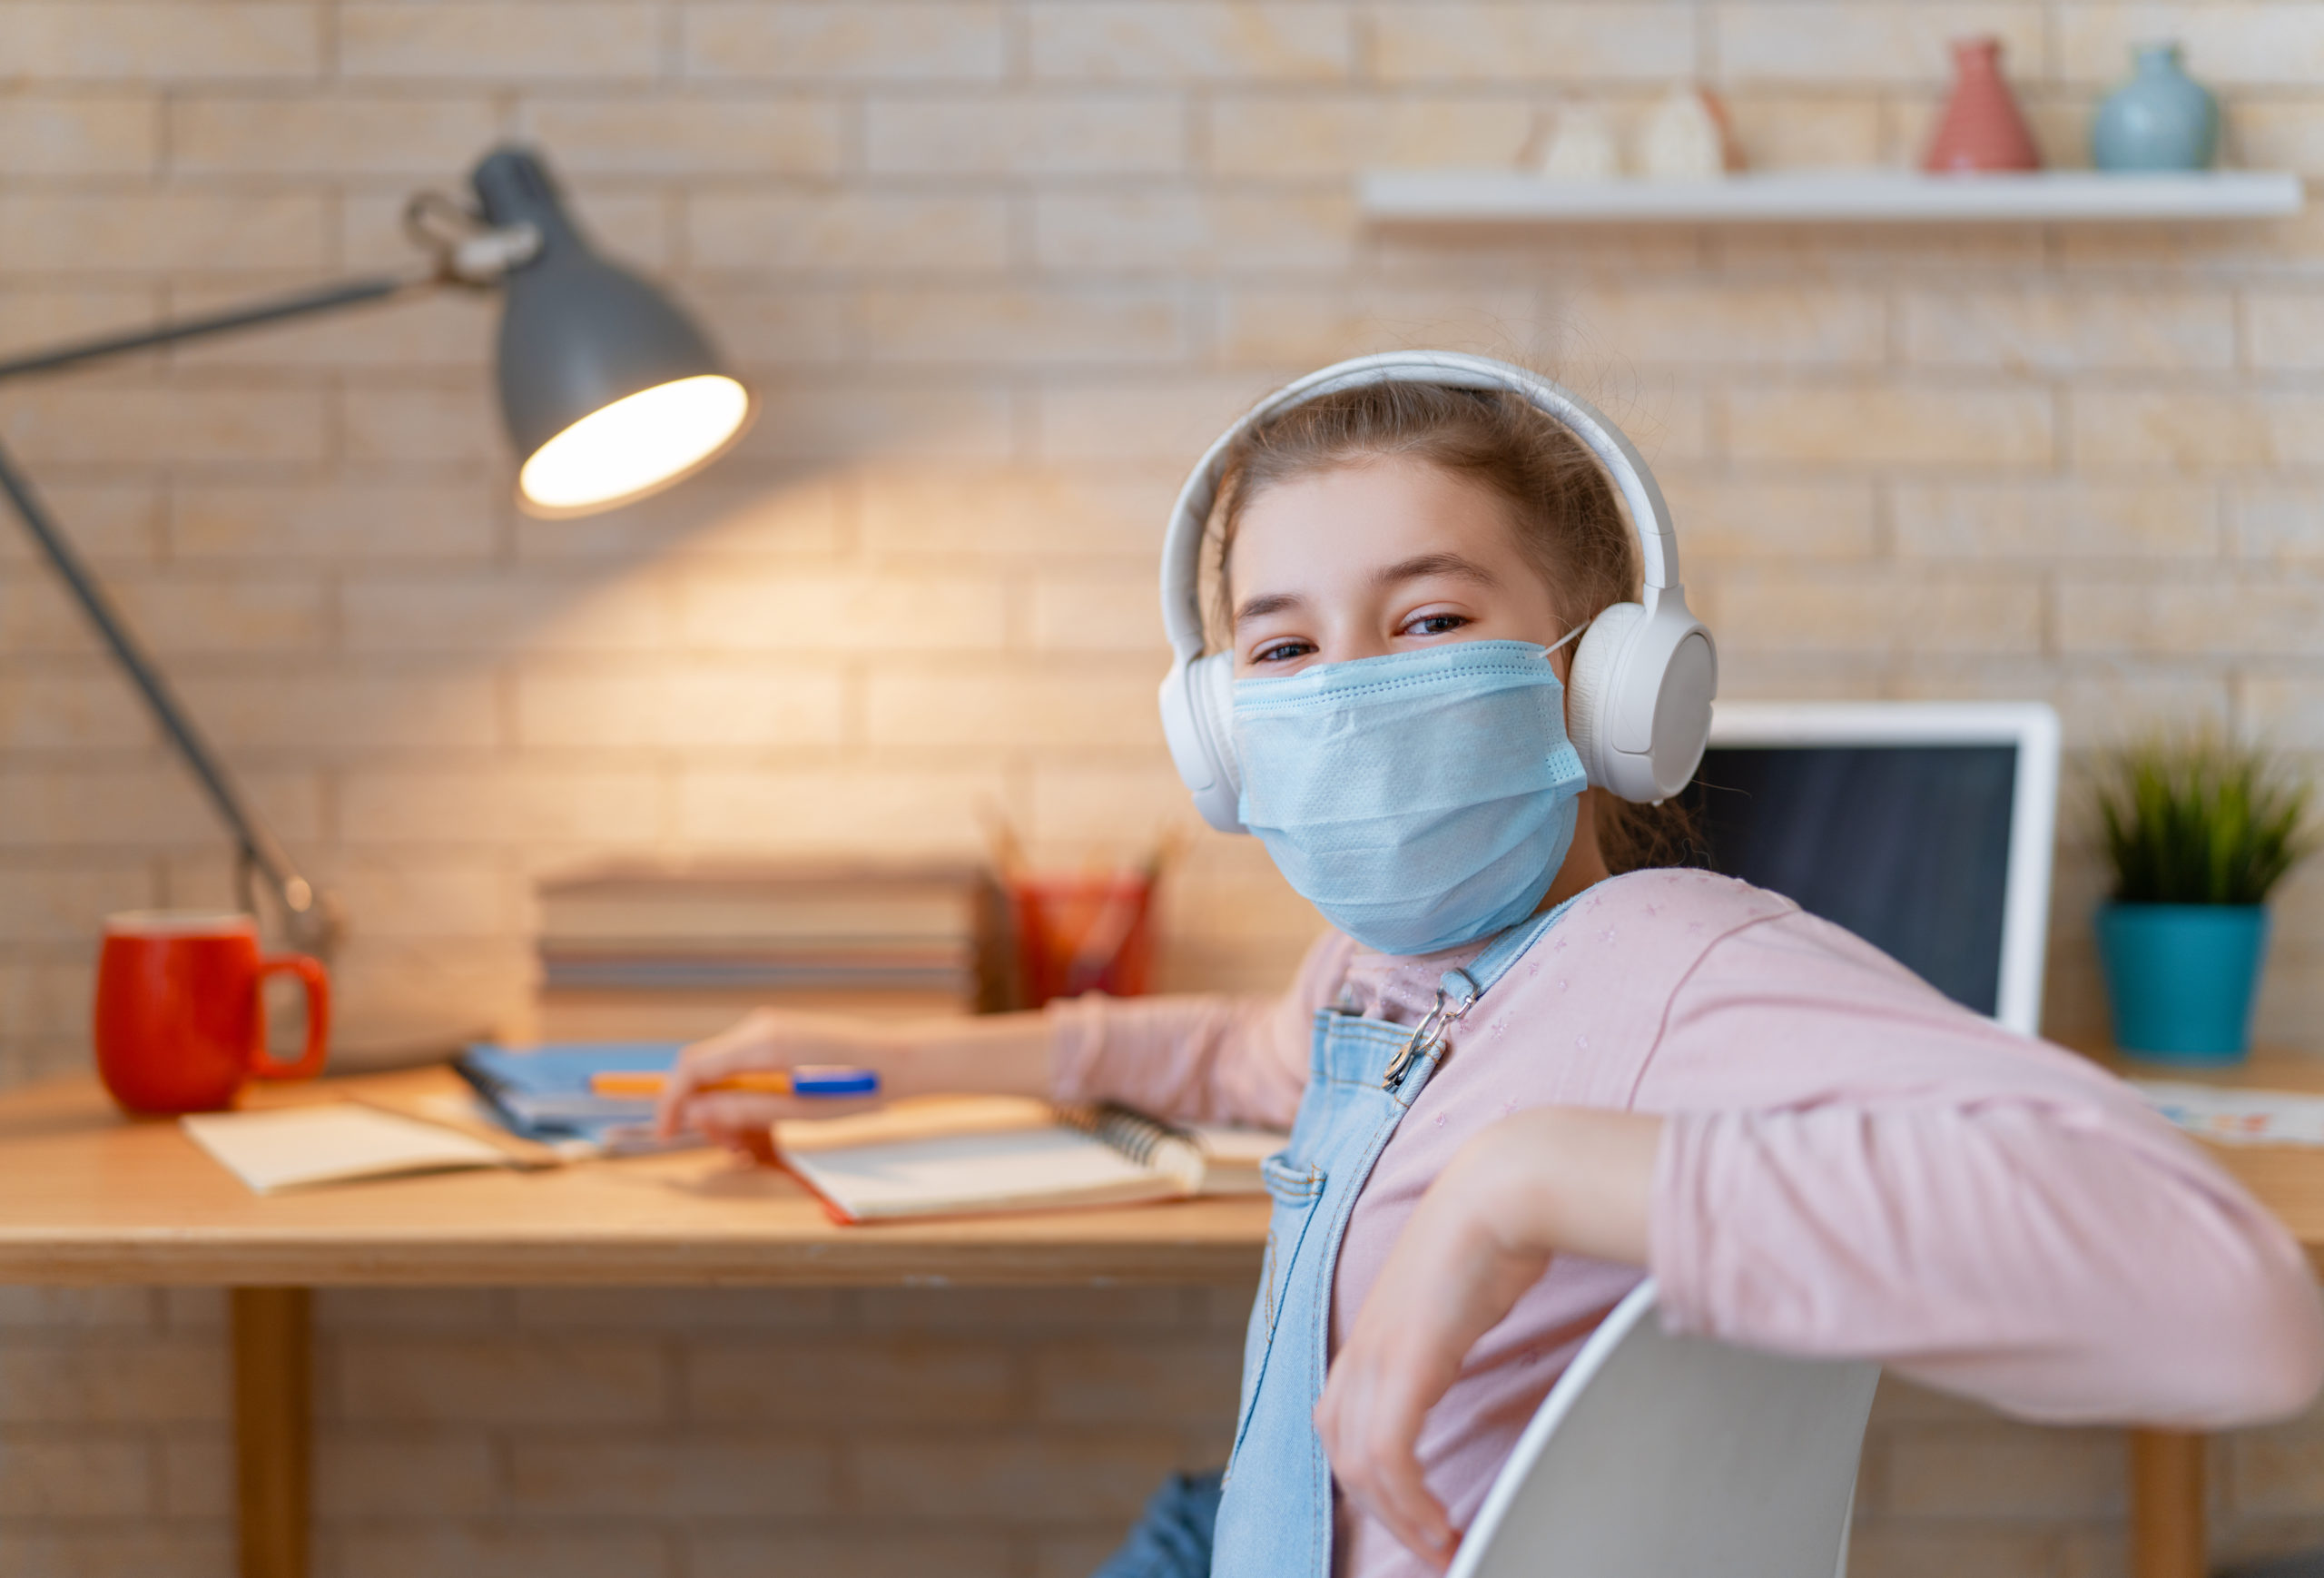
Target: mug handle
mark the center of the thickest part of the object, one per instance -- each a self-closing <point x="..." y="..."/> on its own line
<point x="312" y="976"/>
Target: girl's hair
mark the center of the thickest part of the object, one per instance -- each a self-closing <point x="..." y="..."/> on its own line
<point x="1560" y="504"/>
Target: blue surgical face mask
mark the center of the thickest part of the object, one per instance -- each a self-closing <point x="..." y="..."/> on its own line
<point x="1420" y="800"/>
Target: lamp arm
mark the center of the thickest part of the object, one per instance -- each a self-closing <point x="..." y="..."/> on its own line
<point x="324" y="299"/>
<point x="309" y="915"/>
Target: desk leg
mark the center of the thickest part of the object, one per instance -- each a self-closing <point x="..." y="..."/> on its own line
<point x="273" y="1369"/>
<point x="2167" y="1505"/>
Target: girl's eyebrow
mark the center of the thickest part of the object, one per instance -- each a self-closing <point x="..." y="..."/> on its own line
<point x="1410" y="569"/>
<point x="1271" y="603"/>
<point x="1435" y="564"/>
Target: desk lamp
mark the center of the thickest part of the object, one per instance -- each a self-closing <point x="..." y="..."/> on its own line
<point x="608" y="391"/>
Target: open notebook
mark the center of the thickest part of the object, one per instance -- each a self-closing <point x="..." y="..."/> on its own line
<point x="950" y="1156"/>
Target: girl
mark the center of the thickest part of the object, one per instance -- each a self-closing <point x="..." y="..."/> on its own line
<point x="1526" y="1068"/>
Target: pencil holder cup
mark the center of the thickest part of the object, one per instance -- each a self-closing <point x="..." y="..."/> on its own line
<point x="1082" y="933"/>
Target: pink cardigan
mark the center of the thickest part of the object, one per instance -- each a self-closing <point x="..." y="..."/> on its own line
<point x="1853" y="1166"/>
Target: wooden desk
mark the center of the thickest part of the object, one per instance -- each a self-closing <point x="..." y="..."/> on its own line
<point x="2169" y="1499"/>
<point x="87" y="1197"/>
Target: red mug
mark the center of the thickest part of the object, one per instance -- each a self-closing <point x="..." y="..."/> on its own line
<point x="179" y="1024"/>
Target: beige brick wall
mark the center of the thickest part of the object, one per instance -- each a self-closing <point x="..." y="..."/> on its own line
<point x="999" y="270"/>
<point x="626" y="1433"/>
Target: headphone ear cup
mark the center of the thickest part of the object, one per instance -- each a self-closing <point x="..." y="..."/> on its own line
<point x="1597" y="658"/>
<point x="1198" y="723"/>
<point x="1213" y="685"/>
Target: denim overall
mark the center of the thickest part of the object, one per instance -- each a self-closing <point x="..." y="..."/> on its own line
<point x="1275" y="1518"/>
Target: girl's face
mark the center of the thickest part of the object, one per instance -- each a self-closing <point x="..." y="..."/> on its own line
<point x="1377" y="556"/>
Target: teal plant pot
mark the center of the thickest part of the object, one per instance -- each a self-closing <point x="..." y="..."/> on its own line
<point x="2181" y="978"/>
<point x="2161" y="119"/>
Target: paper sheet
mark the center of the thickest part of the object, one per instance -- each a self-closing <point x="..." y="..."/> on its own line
<point x="298" y="1146"/>
<point x="2229" y="1117"/>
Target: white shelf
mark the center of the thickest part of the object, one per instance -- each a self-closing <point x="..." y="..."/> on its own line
<point x="1836" y="197"/>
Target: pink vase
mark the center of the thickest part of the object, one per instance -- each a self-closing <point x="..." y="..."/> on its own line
<point x="1981" y="128"/>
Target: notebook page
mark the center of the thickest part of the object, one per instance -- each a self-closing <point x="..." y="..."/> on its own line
<point x="299" y="1146"/>
<point x="963" y="1173"/>
<point x="1232" y="1155"/>
<point x="914" y="1118"/>
<point x="1238" y="1147"/>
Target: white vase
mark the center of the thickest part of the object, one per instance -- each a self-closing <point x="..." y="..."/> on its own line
<point x="1581" y="147"/>
<point x="1687" y="138"/>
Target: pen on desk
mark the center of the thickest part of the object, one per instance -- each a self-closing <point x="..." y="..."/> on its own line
<point x="825" y="1080"/>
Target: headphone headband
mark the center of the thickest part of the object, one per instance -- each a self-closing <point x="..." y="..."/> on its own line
<point x="1641" y="498"/>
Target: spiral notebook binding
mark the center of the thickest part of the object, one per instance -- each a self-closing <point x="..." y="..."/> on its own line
<point x="1145" y="1140"/>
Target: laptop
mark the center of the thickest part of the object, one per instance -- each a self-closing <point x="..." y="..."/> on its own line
<point x="1923" y="827"/>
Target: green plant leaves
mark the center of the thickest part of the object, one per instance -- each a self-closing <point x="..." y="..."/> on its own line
<point x="2197" y="821"/>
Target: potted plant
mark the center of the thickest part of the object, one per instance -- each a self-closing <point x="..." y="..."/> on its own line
<point x="2198" y="831"/>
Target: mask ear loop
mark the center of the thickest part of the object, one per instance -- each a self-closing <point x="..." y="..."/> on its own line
<point x="1571" y="635"/>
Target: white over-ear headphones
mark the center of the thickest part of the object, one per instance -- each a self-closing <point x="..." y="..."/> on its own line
<point x="1638" y="696"/>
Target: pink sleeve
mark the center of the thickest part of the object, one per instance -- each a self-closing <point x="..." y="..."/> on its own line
<point x="1211" y="1060"/>
<point x="1854" y="1165"/>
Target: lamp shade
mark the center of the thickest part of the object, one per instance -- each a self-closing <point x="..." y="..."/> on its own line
<point x="609" y="391"/>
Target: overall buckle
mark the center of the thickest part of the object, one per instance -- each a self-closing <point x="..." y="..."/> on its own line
<point x="1429" y="1034"/>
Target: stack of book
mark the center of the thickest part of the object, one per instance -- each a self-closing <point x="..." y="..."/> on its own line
<point x="659" y="954"/>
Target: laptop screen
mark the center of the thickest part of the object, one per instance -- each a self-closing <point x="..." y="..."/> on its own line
<point x="1907" y="846"/>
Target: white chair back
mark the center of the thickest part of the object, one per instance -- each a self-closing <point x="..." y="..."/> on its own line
<point x="1659" y="1457"/>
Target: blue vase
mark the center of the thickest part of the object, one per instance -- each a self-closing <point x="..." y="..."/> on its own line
<point x="2181" y="978"/>
<point x="2161" y="119"/>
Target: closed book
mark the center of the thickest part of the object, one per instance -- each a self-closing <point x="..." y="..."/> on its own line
<point x="563" y="971"/>
<point x="819" y="903"/>
<point x="565" y="1015"/>
<point x="943" y="918"/>
<point x="542" y="1093"/>
<point x="902" y="952"/>
<point x="793" y="932"/>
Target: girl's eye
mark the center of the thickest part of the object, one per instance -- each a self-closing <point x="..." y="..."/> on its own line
<point x="1283" y="651"/>
<point x="1435" y="624"/>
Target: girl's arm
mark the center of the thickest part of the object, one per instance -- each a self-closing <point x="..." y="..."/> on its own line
<point x="1854" y="1167"/>
<point x="1003" y="1054"/>
<point x="1202" y="1058"/>
<point x="1847" y="1165"/>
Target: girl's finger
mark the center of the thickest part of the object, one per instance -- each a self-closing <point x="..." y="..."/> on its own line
<point x="1416" y="1516"/>
<point x="752" y="1145"/>
<point x="698" y="1066"/>
<point x="715" y="1113"/>
<point x="1408" y="1513"/>
<point x="757" y="1042"/>
<point x="1370" y="1424"/>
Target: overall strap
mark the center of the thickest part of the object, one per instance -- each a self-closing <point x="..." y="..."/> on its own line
<point x="1458" y="990"/>
<point x="1505" y="951"/>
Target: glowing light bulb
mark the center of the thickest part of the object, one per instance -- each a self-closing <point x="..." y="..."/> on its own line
<point x="633" y="445"/>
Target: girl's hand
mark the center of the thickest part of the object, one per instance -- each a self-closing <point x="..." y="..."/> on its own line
<point x="1448" y="1281"/>
<point x="768" y="1039"/>
<point x="1556" y="1179"/>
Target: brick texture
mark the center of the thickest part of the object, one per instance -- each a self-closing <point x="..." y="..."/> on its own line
<point x="998" y="269"/>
